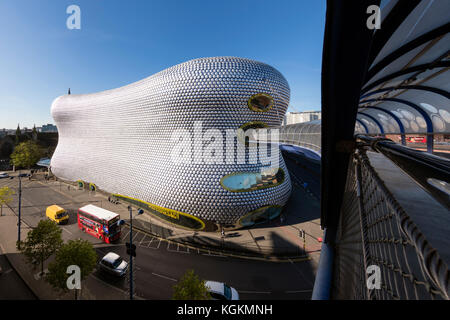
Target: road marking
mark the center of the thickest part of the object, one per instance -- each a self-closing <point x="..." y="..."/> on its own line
<point x="135" y="235"/>
<point x="126" y="235"/>
<point x="156" y="247"/>
<point x="164" y="277"/>
<point x="150" y="242"/>
<point x="66" y="230"/>
<point x="182" y="249"/>
<point x="142" y="239"/>
<point x="298" y="291"/>
<point x="214" y="255"/>
<point x="7" y="271"/>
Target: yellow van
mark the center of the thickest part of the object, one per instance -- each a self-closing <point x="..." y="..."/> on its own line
<point x="57" y="214"/>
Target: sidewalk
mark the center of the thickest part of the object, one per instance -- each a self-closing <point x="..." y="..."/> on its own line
<point x="273" y="240"/>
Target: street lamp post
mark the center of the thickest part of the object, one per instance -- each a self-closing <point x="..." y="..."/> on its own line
<point x="19" y="218"/>
<point x="130" y="249"/>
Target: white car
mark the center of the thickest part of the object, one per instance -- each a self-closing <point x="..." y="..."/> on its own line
<point x="3" y="175"/>
<point x="113" y="264"/>
<point x="221" y="291"/>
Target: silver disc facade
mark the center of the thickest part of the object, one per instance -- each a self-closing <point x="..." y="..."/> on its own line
<point x="122" y="141"/>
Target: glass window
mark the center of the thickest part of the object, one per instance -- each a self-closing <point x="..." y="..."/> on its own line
<point x="260" y="215"/>
<point x="260" y="102"/>
<point x="243" y="138"/>
<point x="216" y="296"/>
<point x="117" y="262"/>
<point x="250" y="181"/>
<point x="172" y="216"/>
<point x="227" y="292"/>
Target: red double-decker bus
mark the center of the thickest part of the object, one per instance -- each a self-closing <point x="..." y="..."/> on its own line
<point x="99" y="222"/>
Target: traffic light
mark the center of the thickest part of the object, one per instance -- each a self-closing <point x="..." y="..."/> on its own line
<point x="131" y="251"/>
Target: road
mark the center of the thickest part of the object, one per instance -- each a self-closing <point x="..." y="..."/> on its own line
<point x="160" y="264"/>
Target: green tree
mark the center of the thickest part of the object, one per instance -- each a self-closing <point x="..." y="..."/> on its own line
<point x="80" y="253"/>
<point x="34" y="134"/>
<point x="5" y="197"/>
<point x="26" y="154"/>
<point x="41" y="243"/>
<point x="18" y="133"/>
<point x="190" y="287"/>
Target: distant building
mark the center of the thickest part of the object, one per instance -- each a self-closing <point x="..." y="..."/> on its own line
<point x="49" y="128"/>
<point x="299" y="117"/>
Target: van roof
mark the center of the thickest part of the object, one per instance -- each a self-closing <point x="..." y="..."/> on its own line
<point x="99" y="212"/>
<point x="55" y="208"/>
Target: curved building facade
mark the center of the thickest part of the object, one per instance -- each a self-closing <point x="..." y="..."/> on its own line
<point x="121" y="140"/>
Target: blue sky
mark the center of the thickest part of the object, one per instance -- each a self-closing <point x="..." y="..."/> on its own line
<point x="125" y="41"/>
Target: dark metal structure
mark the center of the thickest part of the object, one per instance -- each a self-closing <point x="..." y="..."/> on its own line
<point x="391" y="80"/>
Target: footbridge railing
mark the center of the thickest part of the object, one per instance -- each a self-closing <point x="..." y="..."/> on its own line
<point x="380" y="251"/>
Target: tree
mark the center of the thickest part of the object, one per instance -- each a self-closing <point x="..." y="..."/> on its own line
<point x="80" y="253"/>
<point x="41" y="243"/>
<point x="26" y="154"/>
<point x="5" y="197"/>
<point x="190" y="287"/>
<point x="34" y="134"/>
<point x="18" y="133"/>
<point x="6" y="147"/>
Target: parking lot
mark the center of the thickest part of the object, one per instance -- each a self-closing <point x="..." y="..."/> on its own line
<point x="38" y="194"/>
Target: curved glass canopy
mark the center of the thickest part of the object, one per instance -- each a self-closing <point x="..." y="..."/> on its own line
<point x="406" y="90"/>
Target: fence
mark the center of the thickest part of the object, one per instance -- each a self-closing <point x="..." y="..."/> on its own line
<point x="306" y="134"/>
<point x="375" y="230"/>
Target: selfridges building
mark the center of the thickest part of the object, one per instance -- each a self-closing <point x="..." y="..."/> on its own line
<point x="165" y="143"/>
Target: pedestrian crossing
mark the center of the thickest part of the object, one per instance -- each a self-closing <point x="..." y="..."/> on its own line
<point x="145" y="240"/>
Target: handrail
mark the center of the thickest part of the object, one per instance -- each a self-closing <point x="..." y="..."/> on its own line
<point x="322" y="284"/>
<point x="430" y="171"/>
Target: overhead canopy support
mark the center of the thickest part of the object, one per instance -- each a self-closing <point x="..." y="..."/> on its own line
<point x="363" y="124"/>
<point x="418" y="69"/>
<point x="374" y="120"/>
<point x="430" y="131"/>
<point x="400" y="124"/>
<point x="415" y="87"/>
<point x="431" y="35"/>
<point x="390" y="24"/>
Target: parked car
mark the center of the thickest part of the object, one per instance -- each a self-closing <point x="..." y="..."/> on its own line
<point x="3" y="175"/>
<point x="221" y="291"/>
<point x="24" y="175"/>
<point x="113" y="264"/>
